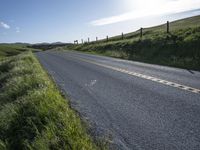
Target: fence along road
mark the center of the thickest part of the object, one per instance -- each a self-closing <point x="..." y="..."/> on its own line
<point x="122" y="37"/>
<point x="130" y="101"/>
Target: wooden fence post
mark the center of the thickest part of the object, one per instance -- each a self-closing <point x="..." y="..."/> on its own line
<point x="141" y="32"/>
<point x="75" y="41"/>
<point x="167" y="26"/>
<point x="122" y="35"/>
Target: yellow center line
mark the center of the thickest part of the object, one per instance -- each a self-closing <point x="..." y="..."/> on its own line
<point x="154" y="79"/>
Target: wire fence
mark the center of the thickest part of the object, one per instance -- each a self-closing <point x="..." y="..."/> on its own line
<point x="123" y="36"/>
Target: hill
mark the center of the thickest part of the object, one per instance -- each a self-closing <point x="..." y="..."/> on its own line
<point x="180" y="47"/>
<point x="47" y="46"/>
<point x="7" y="50"/>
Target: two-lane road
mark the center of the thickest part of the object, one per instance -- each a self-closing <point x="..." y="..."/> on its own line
<point x="140" y="106"/>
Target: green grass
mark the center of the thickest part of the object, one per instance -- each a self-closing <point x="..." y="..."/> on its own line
<point x="7" y="50"/>
<point x="33" y="113"/>
<point x="179" y="48"/>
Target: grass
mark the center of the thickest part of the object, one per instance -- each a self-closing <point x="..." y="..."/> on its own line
<point x="7" y="50"/>
<point x="33" y="113"/>
<point x="47" y="46"/>
<point x="179" y="48"/>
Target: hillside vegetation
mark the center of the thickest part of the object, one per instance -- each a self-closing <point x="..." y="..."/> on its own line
<point x="33" y="113"/>
<point x="7" y="50"/>
<point x="47" y="46"/>
<point x="179" y="48"/>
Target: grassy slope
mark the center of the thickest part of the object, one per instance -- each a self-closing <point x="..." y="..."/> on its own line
<point x="179" y="48"/>
<point x="7" y="50"/>
<point x="33" y="113"/>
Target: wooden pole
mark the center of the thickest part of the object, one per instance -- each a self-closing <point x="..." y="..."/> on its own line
<point x="107" y="38"/>
<point x="167" y="26"/>
<point x="122" y="35"/>
<point x="141" y="32"/>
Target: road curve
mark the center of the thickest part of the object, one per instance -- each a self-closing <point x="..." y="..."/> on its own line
<point x="138" y="105"/>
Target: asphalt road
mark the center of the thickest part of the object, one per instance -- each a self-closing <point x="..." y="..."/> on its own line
<point x="137" y="105"/>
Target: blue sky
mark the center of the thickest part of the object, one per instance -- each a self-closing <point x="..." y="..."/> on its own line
<point x="36" y="21"/>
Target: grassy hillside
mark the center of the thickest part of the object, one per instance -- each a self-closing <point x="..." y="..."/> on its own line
<point x="33" y="113"/>
<point x="7" y="50"/>
<point x="179" y="48"/>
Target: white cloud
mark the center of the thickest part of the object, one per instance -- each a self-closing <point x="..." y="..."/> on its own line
<point x="17" y="29"/>
<point x="4" y="25"/>
<point x="144" y="8"/>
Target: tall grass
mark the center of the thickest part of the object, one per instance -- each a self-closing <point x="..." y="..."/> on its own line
<point x="33" y="113"/>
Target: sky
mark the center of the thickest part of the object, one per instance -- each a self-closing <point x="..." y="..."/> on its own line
<point x="37" y="21"/>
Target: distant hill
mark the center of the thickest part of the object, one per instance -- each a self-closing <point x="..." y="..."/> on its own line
<point x="7" y="50"/>
<point x="10" y="49"/>
<point x="47" y="46"/>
